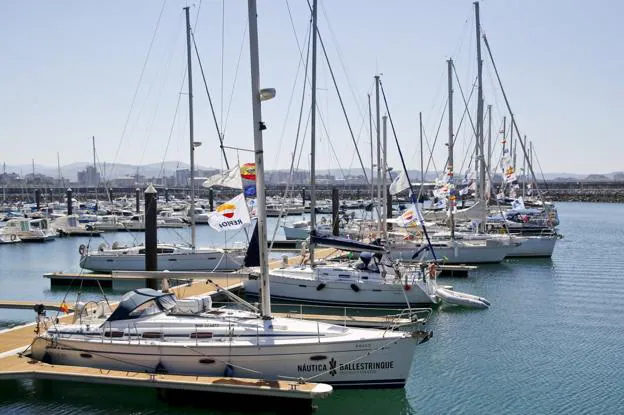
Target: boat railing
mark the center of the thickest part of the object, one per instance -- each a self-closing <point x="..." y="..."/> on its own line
<point x="391" y="317"/>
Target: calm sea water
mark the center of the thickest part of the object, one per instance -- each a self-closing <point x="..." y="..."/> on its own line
<point x="551" y="343"/>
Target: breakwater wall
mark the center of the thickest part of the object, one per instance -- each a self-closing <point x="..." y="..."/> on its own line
<point x="568" y="191"/>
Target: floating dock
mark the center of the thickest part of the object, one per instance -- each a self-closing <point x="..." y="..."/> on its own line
<point x="455" y="270"/>
<point x="18" y="367"/>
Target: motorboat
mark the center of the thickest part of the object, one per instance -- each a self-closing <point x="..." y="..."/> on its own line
<point x="29" y="230"/>
<point x="70" y="225"/>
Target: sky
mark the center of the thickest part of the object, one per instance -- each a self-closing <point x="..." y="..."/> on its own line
<point x="116" y="70"/>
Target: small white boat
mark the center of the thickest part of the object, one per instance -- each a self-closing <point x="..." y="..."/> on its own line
<point x="462" y="299"/>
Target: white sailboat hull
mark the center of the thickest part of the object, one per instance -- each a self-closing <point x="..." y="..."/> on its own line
<point x="535" y="246"/>
<point x="350" y="291"/>
<point x="454" y="252"/>
<point x="351" y="358"/>
<point x="198" y="261"/>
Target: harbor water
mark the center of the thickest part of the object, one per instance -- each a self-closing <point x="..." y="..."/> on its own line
<point x="550" y="344"/>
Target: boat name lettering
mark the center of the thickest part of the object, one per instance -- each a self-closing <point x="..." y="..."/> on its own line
<point x="333" y="367"/>
<point x="311" y="368"/>
<point x="227" y="223"/>
<point x="388" y="364"/>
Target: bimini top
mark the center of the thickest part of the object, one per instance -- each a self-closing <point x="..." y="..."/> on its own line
<point x="142" y="302"/>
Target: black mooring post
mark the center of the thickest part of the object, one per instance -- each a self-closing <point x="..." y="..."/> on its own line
<point x="211" y="199"/>
<point x="69" y="201"/>
<point x="38" y="198"/>
<point x="151" y="237"/>
<point x="335" y="208"/>
<point x="138" y="199"/>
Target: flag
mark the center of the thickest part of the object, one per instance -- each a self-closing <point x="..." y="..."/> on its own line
<point x="409" y="216"/>
<point x="230" y="178"/>
<point x="248" y="171"/>
<point x="250" y="190"/>
<point x="231" y="215"/>
<point x="399" y="183"/>
<point x="518" y="204"/>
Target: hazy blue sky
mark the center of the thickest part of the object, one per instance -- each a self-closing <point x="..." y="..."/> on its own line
<point x="70" y="70"/>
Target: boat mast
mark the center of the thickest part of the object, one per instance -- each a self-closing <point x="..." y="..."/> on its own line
<point x="422" y="160"/>
<point x="384" y="164"/>
<point x="489" y="145"/>
<point x="378" y="126"/>
<point x="479" y="140"/>
<point x="191" y="128"/>
<point x="58" y="163"/>
<point x="95" y="181"/>
<point x="512" y="154"/>
<point x="313" y="134"/>
<point x="258" y="126"/>
<point x="450" y="143"/>
<point x="370" y="129"/>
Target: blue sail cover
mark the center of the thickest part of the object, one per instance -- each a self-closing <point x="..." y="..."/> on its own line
<point x="252" y="256"/>
<point x="345" y="244"/>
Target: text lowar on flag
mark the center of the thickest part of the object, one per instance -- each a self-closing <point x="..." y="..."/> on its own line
<point x="230" y="215"/>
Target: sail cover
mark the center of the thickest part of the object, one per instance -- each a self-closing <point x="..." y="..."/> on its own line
<point x="344" y="244"/>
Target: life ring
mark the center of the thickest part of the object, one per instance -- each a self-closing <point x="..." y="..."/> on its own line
<point x="432" y="269"/>
<point x="13" y="237"/>
<point x="82" y="249"/>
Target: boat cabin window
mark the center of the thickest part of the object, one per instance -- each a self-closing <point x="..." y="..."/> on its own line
<point x="145" y="309"/>
<point x="158" y="251"/>
<point x="142" y="302"/>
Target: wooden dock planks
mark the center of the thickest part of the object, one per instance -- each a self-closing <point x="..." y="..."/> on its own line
<point x="17" y="367"/>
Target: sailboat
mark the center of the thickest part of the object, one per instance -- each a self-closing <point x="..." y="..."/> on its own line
<point x="151" y="331"/>
<point x="171" y="257"/>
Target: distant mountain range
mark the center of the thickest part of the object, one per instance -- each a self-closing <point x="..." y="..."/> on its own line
<point x="117" y="170"/>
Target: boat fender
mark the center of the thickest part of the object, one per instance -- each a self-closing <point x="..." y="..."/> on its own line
<point x="320" y="286"/>
<point x="13" y="237"/>
<point x="407" y="287"/>
<point x="432" y="270"/>
<point x="160" y="368"/>
<point x="355" y="288"/>
<point x="229" y="371"/>
<point x="82" y="249"/>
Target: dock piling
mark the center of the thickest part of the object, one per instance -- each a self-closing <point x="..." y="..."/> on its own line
<point x="151" y="236"/>
<point x="69" y="201"/>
